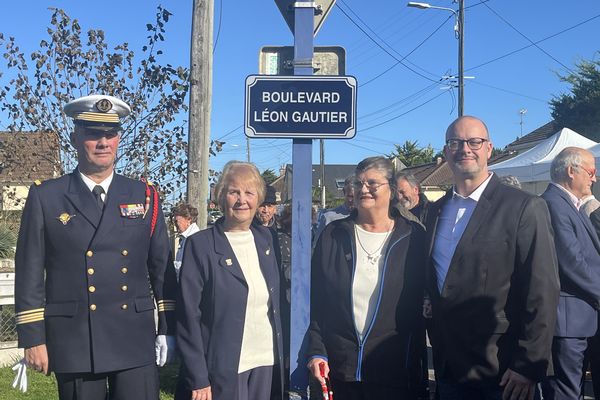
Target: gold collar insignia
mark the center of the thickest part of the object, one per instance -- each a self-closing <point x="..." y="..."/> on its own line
<point x="65" y="218"/>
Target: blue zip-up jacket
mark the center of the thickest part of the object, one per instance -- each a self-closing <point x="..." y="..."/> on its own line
<point x="388" y="346"/>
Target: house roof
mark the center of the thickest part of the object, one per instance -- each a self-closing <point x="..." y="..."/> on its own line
<point x="28" y="156"/>
<point x="432" y="174"/>
<point x="534" y="137"/>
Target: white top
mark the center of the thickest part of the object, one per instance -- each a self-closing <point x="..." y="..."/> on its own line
<point x="257" y="339"/>
<point x="105" y="184"/>
<point x="453" y="220"/>
<point x="370" y="257"/>
<point x="193" y="228"/>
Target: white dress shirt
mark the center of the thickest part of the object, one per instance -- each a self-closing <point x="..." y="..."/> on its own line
<point x="105" y="184"/>
<point x="193" y="228"/>
<point x="453" y="220"/>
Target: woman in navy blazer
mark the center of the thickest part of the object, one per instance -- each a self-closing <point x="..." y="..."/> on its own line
<point x="228" y="327"/>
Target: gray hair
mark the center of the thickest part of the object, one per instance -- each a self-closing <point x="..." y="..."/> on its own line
<point x="408" y="177"/>
<point x="248" y="172"/>
<point x="510" y="180"/>
<point x="381" y="164"/>
<point x="568" y="157"/>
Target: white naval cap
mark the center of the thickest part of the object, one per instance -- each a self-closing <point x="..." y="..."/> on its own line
<point x="97" y="112"/>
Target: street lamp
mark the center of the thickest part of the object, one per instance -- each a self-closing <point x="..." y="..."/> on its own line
<point x="459" y="16"/>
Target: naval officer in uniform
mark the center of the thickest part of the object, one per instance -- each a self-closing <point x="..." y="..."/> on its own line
<point x="92" y="259"/>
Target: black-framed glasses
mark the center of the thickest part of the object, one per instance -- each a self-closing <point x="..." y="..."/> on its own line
<point x="473" y="143"/>
<point x="372" y="185"/>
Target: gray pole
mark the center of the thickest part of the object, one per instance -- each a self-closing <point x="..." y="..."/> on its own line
<point x="200" y="106"/>
<point x="248" y="149"/>
<point x="461" y="56"/>
<point x="323" y="193"/>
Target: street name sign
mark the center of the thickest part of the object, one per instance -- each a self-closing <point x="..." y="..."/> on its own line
<point x="279" y="60"/>
<point x="308" y="107"/>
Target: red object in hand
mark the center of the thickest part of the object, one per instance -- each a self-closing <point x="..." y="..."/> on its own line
<point x="325" y="387"/>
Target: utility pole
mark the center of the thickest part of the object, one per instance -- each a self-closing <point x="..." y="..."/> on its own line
<point x="201" y="60"/>
<point x="461" y="57"/>
<point x="248" y="149"/>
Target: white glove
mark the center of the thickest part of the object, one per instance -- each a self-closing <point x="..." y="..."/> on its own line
<point x="165" y="349"/>
<point x="20" y="369"/>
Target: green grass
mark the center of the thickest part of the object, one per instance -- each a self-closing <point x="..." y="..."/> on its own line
<point x="42" y="387"/>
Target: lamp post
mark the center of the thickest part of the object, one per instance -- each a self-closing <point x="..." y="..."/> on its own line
<point x="459" y="16"/>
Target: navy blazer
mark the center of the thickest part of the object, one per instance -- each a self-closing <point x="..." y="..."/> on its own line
<point x="212" y="308"/>
<point x="85" y="279"/>
<point x="577" y="247"/>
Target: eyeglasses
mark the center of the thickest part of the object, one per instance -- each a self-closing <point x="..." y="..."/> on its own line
<point x="473" y="143"/>
<point x="591" y="172"/>
<point x="372" y="185"/>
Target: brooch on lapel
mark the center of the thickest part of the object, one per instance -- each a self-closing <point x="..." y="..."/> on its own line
<point x="132" y="210"/>
<point x="228" y="262"/>
<point x="348" y="257"/>
<point x="64" y="218"/>
<point x="268" y="252"/>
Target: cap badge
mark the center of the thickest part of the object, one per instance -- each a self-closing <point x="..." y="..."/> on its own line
<point x="104" y="105"/>
<point x="64" y="218"/>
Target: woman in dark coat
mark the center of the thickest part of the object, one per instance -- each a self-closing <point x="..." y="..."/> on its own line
<point x="367" y="293"/>
<point x="228" y="327"/>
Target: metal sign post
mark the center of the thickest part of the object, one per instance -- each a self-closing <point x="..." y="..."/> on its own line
<point x="304" y="14"/>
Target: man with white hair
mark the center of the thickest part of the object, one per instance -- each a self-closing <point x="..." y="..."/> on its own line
<point x="573" y="172"/>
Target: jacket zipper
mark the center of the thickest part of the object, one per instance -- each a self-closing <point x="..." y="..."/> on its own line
<point x="361" y="343"/>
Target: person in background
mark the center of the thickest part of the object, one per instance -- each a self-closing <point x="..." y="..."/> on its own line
<point x="367" y="285"/>
<point x="266" y="216"/>
<point x="184" y="217"/>
<point x="284" y="236"/>
<point x="573" y="172"/>
<point x="510" y="180"/>
<point x="228" y="325"/>
<point x="92" y="258"/>
<point x="339" y="212"/>
<point x="410" y="197"/>
<point x="492" y="278"/>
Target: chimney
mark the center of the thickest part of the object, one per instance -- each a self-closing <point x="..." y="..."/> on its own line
<point x="282" y="170"/>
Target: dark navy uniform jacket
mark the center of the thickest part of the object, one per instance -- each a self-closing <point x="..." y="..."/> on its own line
<point x="86" y="281"/>
<point x="211" y="309"/>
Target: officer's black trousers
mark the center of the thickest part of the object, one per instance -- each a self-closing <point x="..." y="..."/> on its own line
<point x="139" y="383"/>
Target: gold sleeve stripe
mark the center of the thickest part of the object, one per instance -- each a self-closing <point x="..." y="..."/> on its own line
<point x="23" y="313"/>
<point x="166" y="307"/>
<point x="166" y="301"/>
<point x="30" y="318"/>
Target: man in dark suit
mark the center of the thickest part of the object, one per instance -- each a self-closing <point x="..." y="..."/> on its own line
<point x="572" y="172"/>
<point x="92" y="258"/>
<point x="493" y="278"/>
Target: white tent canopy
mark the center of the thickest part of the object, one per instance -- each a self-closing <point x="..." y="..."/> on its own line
<point x="534" y="164"/>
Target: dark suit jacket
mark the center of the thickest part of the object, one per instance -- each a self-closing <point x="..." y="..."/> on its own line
<point x="497" y="307"/>
<point x="577" y="247"/>
<point x="85" y="281"/>
<point x="212" y="309"/>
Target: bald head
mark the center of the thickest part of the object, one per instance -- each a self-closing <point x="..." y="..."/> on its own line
<point x="467" y="124"/>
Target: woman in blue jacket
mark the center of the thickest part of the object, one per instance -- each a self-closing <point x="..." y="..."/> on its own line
<point x="228" y="327"/>
<point x="367" y="293"/>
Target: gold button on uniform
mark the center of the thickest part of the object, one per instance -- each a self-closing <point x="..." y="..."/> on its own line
<point x="92" y="289"/>
<point x="90" y="271"/>
<point x="124" y="307"/>
<point x="125" y="252"/>
<point x="124" y="270"/>
<point x="124" y="288"/>
<point x="93" y="307"/>
<point x="89" y="253"/>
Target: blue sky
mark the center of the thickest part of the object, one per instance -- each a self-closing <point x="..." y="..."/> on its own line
<point x="524" y="80"/>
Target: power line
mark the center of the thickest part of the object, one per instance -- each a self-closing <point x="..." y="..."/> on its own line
<point x="230" y="132"/>
<point x="219" y="28"/>
<point x="400" y="61"/>
<point x="404" y="113"/>
<point x="537" y="42"/>
<point x="509" y="91"/>
<point x="527" y="38"/>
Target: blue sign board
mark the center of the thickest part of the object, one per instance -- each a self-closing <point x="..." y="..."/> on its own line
<point x="310" y="107"/>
